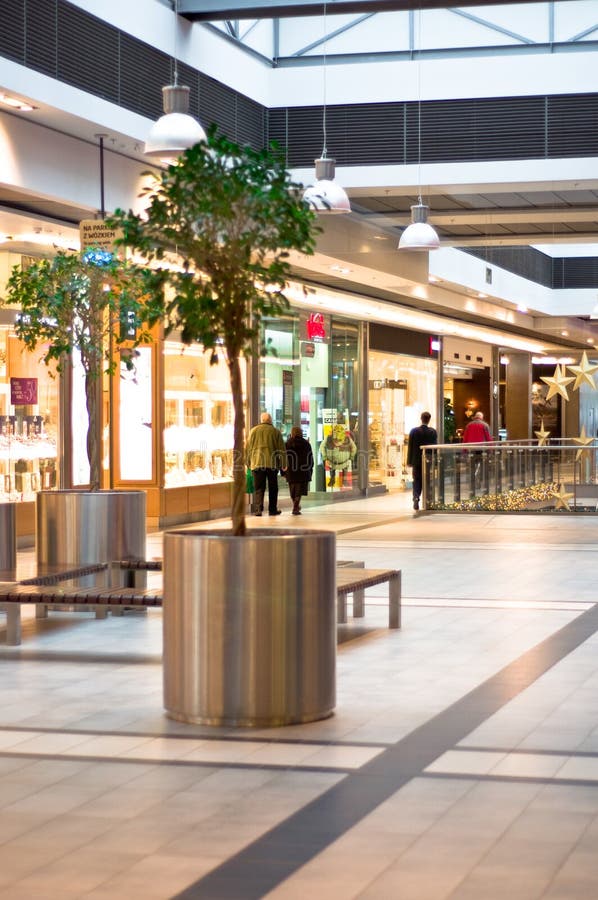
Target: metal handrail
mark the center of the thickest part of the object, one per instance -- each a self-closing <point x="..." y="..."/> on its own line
<point x="522" y="475"/>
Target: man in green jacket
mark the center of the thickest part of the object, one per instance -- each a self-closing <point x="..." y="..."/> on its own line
<point x="266" y="454"/>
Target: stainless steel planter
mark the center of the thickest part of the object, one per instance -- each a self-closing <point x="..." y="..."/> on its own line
<point x="249" y="626"/>
<point x="85" y="527"/>
<point x="8" y="539"/>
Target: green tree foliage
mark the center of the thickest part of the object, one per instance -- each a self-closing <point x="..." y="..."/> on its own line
<point x="232" y="215"/>
<point x="88" y="302"/>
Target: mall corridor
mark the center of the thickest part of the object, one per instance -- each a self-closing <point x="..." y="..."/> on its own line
<point x="461" y="762"/>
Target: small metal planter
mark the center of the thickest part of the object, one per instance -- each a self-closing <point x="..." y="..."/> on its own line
<point x="85" y="527"/>
<point x="8" y="539"/>
<point x="249" y="627"/>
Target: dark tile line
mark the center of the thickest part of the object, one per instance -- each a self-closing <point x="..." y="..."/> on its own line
<point x="511" y="779"/>
<point x="214" y="735"/>
<point x="469" y="748"/>
<point x="60" y="656"/>
<point x="180" y="763"/>
<point x="274" y="857"/>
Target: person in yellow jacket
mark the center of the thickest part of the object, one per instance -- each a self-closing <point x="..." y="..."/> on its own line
<point x="338" y="451"/>
<point x="265" y="455"/>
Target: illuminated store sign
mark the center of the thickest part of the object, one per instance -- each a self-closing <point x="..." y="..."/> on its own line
<point x="315" y="327"/>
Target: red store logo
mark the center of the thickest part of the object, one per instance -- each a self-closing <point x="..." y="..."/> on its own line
<point x="315" y="327"/>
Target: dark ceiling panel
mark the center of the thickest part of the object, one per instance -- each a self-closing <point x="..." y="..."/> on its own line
<point x="41" y="30"/>
<point x="87" y="52"/>
<point x="215" y="10"/>
<point x="12" y="29"/>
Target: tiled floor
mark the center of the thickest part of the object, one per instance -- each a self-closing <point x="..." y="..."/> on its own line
<point x="462" y="761"/>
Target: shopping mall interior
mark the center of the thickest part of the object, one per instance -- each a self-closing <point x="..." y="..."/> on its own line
<point x="460" y="759"/>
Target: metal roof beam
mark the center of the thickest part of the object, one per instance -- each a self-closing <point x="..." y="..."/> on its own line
<point x="213" y="10"/>
<point x="490" y="217"/>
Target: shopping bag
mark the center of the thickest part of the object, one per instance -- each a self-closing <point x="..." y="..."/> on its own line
<point x="249" y="486"/>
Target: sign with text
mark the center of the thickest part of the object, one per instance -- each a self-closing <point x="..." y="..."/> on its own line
<point x="314" y="327"/>
<point x="23" y="391"/>
<point x="287" y="395"/>
<point x="95" y="233"/>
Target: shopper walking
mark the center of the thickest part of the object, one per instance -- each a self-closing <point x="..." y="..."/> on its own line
<point x="300" y="466"/>
<point x="419" y="437"/>
<point x="477" y="431"/>
<point x="265" y="456"/>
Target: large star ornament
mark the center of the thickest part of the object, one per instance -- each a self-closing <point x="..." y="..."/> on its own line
<point x="562" y="498"/>
<point x="584" y="372"/>
<point x="557" y="383"/>
<point x="542" y="435"/>
<point x="583" y="440"/>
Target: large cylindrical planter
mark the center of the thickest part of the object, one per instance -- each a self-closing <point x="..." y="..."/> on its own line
<point x="86" y="527"/>
<point x="249" y="627"/>
<point x="8" y="538"/>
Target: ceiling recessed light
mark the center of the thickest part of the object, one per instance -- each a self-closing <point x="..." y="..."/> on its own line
<point x="16" y="103"/>
<point x="341" y="270"/>
<point x="565" y="333"/>
<point x="521" y="308"/>
<point x="481" y="295"/>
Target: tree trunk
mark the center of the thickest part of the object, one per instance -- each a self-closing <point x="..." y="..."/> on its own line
<point x="238" y="504"/>
<point x="93" y="447"/>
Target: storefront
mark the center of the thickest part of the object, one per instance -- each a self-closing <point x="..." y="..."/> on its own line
<point x="402" y="380"/>
<point x="309" y="377"/>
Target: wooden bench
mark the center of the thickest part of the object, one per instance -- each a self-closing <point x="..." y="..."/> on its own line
<point x="355" y="581"/>
<point x="44" y="591"/>
<point x="99" y="599"/>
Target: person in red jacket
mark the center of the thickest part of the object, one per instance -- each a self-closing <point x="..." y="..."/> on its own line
<point x="477" y="431"/>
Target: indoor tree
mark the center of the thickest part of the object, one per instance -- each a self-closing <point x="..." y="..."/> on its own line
<point x="92" y="303"/>
<point x="232" y="214"/>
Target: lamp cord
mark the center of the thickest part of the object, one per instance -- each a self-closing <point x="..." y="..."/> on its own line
<point x="325" y="149"/>
<point x="176" y="31"/>
<point x="419" y="108"/>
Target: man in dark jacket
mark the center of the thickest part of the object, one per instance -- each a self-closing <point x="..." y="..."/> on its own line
<point x="418" y="438"/>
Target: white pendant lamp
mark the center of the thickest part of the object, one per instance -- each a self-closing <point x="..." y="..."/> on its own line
<point x="419" y="235"/>
<point x="326" y="195"/>
<point x="176" y="130"/>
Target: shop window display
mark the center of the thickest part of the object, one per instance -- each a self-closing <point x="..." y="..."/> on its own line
<point x="198" y="417"/>
<point x="28" y="422"/>
<point x="401" y="387"/>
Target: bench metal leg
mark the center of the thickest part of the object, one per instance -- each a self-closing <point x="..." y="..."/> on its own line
<point x="41" y="611"/>
<point x="394" y="601"/>
<point x="13" y="624"/>
<point x="359" y="603"/>
<point x="341" y="609"/>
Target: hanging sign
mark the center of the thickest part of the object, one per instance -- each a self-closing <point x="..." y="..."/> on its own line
<point x="23" y="391"/>
<point x="95" y="233"/>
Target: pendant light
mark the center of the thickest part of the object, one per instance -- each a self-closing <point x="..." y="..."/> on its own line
<point x="326" y="195"/>
<point x="176" y="130"/>
<point x="419" y="235"/>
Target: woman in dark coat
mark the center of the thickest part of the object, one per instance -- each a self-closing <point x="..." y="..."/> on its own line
<point x="300" y="465"/>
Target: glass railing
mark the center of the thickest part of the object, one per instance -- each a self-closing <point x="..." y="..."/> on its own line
<point x="511" y="476"/>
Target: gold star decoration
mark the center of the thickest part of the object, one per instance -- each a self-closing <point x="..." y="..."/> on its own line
<point x="584" y="440"/>
<point x="562" y="498"/>
<point x="584" y="372"/>
<point x="542" y="435"/>
<point x="557" y="383"/>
